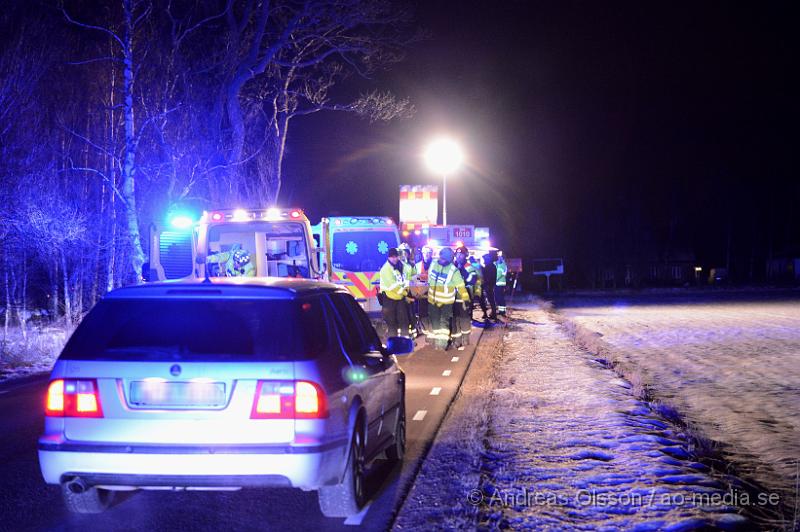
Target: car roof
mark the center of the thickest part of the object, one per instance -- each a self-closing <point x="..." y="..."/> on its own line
<point x="227" y="288"/>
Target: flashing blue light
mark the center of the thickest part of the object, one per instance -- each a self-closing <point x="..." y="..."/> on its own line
<point x="181" y="221"/>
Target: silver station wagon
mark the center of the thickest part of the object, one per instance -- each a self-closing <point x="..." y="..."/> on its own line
<point x="223" y="384"/>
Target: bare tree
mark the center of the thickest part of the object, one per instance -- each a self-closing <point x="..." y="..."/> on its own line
<point x="133" y="13"/>
<point x="279" y="61"/>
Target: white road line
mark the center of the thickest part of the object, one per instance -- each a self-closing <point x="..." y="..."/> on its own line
<point x="436" y="391"/>
<point x="454" y="359"/>
<point x="446" y="373"/>
<point x="355" y="520"/>
<point x="420" y="415"/>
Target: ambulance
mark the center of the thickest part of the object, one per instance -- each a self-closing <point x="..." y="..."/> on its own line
<point x="277" y="241"/>
<point x="352" y="250"/>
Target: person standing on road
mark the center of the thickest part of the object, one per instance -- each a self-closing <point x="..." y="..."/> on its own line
<point x="490" y="281"/>
<point x="423" y="267"/>
<point x="394" y="289"/>
<point x="500" y="286"/>
<point x="444" y="280"/>
<point x="409" y="272"/>
<point x="462" y="309"/>
<point x="477" y="294"/>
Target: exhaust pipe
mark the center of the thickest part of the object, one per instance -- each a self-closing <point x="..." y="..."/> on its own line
<point x="76" y="485"/>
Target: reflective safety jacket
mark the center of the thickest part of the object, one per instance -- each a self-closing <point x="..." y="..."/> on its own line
<point x="478" y="288"/>
<point x="392" y="282"/>
<point x="469" y="282"/>
<point x="473" y="279"/>
<point x="502" y="270"/>
<point x="422" y="270"/>
<point x="408" y="270"/>
<point x="228" y="267"/>
<point x="443" y="283"/>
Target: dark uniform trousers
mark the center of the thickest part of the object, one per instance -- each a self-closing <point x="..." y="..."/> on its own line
<point x="395" y="314"/>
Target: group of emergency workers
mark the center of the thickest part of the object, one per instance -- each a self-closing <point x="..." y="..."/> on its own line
<point x="437" y="298"/>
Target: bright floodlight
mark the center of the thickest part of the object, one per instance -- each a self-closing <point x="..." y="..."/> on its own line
<point x="443" y="156"/>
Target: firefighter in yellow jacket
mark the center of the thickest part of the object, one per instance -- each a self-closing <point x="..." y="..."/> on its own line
<point x="394" y="288"/>
<point x="444" y="280"/>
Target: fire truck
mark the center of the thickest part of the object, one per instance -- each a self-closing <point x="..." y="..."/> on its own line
<point x="352" y="250"/>
<point x="278" y="241"/>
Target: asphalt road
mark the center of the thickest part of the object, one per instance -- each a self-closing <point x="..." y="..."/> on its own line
<point x="27" y="503"/>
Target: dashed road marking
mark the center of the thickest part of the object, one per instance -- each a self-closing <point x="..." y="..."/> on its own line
<point x="420" y="415"/>
<point x="446" y="373"/>
<point x="436" y="390"/>
<point x="454" y="359"/>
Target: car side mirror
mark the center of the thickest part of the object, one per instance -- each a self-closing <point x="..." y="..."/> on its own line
<point x="399" y="345"/>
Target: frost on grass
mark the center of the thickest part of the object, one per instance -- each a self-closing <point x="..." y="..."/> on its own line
<point x="32" y="352"/>
<point x="729" y="368"/>
<point x="571" y="447"/>
<point x="439" y="498"/>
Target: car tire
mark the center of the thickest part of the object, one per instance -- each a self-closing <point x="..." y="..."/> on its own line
<point x="397" y="450"/>
<point x="89" y="501"/>
<point x="348" y="497"/>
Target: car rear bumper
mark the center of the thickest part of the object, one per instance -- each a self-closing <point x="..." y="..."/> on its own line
<point x="307" y="467"/>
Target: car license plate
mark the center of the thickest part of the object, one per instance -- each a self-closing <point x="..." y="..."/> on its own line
<point x="177" y="394"/>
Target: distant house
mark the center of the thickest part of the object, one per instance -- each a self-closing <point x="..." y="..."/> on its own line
<point x="672" y="269"/>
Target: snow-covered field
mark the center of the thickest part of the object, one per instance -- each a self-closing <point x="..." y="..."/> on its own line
<point x="730" y="368"/>
<point x="545" y="437"/>
<point x="34" y="352"/>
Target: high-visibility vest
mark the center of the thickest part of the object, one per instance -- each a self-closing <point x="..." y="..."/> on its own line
<point x="473" y="281"/>
<point x="478" y="289"/>
<point x="422" y="270"/>
<point x="502" y="270"/>
<point x="408" y="271"/>
<point x="443" y="283"/>
<point x="392" y="282"/>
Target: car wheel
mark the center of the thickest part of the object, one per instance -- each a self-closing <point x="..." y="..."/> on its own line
<point x="347" y="498"/>
<point x="80" y="499"/>
<point x="397" y="450"/>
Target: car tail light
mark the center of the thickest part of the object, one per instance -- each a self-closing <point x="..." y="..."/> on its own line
<point x="73" y="398"/>
<point x="289" y="400"/>
<point x="55" y="398"/>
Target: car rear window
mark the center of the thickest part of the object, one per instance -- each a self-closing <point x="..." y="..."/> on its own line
<point x="200" y="329"/>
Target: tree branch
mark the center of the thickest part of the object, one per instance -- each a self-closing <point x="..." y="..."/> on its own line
<point x="92" y="27"/>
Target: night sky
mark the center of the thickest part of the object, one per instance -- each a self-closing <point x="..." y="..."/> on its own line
<point x="594" y="131"/>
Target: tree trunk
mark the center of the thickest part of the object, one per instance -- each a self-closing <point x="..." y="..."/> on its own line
<point x="7" y="287"/>
<point x="23" y="309"/>
<point x="67" y="299"/>
<point x="136" y="254"/>
<point x="54" y="299"/>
